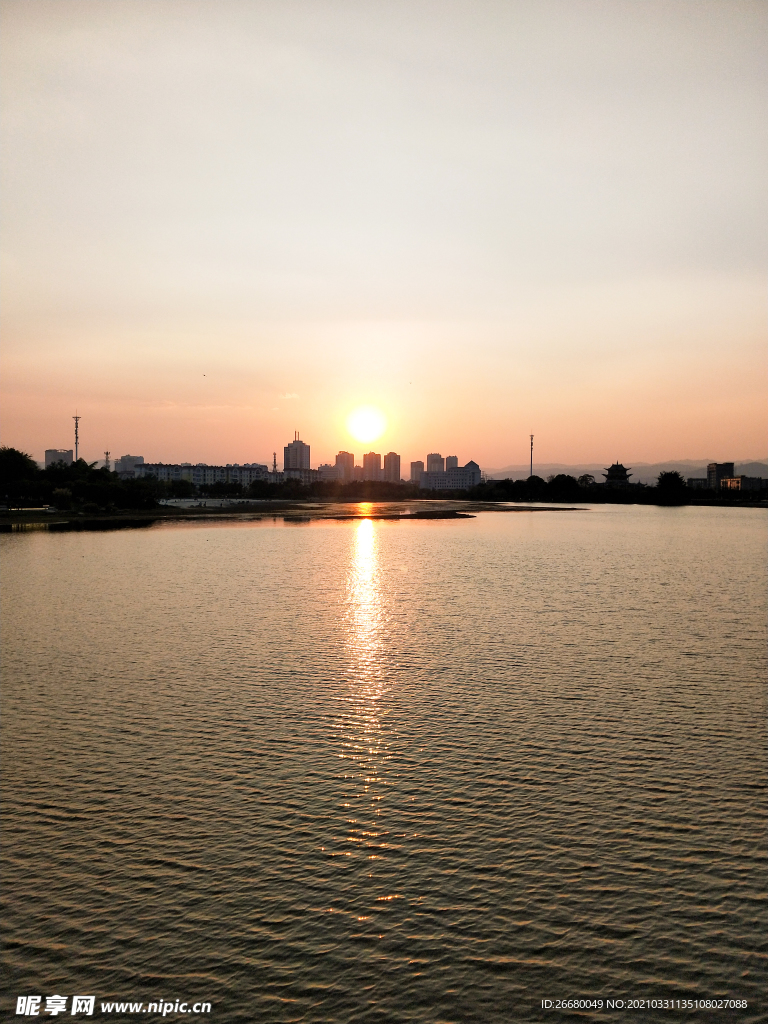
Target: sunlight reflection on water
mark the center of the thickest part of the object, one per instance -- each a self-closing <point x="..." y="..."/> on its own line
<point x="363" y="743"/>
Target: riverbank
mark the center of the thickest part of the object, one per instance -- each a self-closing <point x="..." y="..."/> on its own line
<point x="218" y="510"/>
<point x="19" y="520"/>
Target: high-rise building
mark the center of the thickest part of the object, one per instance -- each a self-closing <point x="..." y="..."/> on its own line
<point x="435" y="463"/>
<point x="345" y="466"/>
<point x="296" y="454"/>
<point x="126" y="465"/>
<point x="717" y="471"/>
<point x="417" y="468"/>
<point x="451" y="462"/>
<point x="372" y="466"/>
<point x="54" y="455"/>
<point x="392" y="467"/>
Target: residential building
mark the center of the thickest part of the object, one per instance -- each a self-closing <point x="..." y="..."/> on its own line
<point x="451" y="462"/>
<point x="54" y="455"/>
<point x="697" y="483"/>
<point x="125" y="466"/>
<point x="296" y="454"/>
<point x="326" y="472"/>
<point x="372" y="466"/>
<point x="392" y="467"/>
<point x="457" y="478"/>
<point x="304" y="476"/>
<point x="202" y="475"/>
<point x="345" y="467"/>
<point x="417" y="468"/>
<point x="717" y="471"/>
<point x="435" y="463"/>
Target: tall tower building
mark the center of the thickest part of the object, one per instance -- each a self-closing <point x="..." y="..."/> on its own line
<point x="451" y="462"/>
<point x="392" y="467"/>
<point x="372" y="466"/>
<point x="417" y="468"/>
<point x="296" y="454"/>
<point x="717" y="471"/>
<point x="345" y="466"/>
<point x="435" y="463"/>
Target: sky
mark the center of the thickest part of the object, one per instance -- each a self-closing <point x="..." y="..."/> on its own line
<point x="226" y="221"/>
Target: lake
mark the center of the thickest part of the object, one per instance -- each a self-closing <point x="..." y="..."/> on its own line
<point x="385" y="771"/>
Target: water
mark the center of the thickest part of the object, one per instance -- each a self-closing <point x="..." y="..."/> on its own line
<point x="382" y="771"/>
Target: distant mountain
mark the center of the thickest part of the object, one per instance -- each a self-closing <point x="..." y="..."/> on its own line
<point x="642" y="472"/>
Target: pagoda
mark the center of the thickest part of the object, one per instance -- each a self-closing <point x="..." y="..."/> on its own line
<point x="617" y="476"/>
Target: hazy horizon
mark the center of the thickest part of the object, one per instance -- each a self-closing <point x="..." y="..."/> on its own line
<point x="226" y="222"/>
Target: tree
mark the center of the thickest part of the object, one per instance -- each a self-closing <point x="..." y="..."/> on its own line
<point x="563" y="485"/>
<point x="16" y="465"/>
<point x="671" y="486"/>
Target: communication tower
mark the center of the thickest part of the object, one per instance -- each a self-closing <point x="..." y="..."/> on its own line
<point x="77" y="434"/>
<point x="106" y="461"/>
<point x="274" y="462"/>
<point x="531" y="454"/>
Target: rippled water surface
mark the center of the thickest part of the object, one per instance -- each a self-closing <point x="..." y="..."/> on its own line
<point x="390" y="771"/>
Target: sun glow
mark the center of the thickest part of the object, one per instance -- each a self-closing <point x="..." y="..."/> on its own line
<point x="366" y="424"/>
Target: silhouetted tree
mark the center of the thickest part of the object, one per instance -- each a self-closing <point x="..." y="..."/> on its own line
<point x="563" y="487"/>
<point x="222" y="489"/>
<point x="671" y="487"/>
<point x="20" y="478"/>
<point x="182" y="489"/>
<point x="16" y="465"/>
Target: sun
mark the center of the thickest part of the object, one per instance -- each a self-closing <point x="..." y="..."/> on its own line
<point x="366" y="423"/>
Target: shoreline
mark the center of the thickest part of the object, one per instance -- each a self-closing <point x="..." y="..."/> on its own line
<point x="19" y="520"/>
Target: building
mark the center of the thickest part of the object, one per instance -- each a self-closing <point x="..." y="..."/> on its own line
<point x="435" y="463"/>
<point x="326" y="472"/>
<point x="742" y="483"/>
<point x="125" y="466"/>
<point x="372" y="466"/>
<point x="717" y="471"/>
<point x="345" y="467"/>
<point x="697" y="483"/>
<point x="457" y="478"/>
<point x="296" y="454"/>
<point x="617" y="476"/>
<point x="304" y="476"/>
<point x="451" y="462"/>
<point x="392" y="467"/>
<point x="202" y="475"/>
<point x="417" y="468"/>
<point x="54" y="455"/>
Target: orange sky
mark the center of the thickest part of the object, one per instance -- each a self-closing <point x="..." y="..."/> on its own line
<point x="224" y="223"/>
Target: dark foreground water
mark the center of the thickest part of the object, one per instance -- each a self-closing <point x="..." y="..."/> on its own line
<point x="374" y="771"/>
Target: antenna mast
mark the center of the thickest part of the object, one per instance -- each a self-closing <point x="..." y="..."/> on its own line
<point x="106" y="461"/>
<point x="531" y="454"/>
<point x="274" y="462"/>
<point x="77" y="435"/>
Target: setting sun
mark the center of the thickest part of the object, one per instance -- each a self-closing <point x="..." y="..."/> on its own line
<point x="366" y="424"/>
